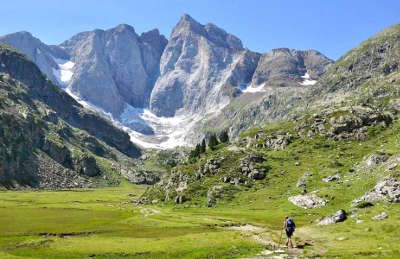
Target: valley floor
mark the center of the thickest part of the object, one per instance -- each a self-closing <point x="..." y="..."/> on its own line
<point x="104" y="223"/>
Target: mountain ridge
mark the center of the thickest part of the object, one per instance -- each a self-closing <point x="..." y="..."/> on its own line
<point x="198" y="72"/>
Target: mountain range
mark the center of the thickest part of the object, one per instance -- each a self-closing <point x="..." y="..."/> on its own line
<point x="168" y="93"/>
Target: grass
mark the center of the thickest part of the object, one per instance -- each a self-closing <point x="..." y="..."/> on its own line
<point x="103" y="223"/>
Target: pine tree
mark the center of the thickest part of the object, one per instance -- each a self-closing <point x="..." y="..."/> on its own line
<point x="203" y="146"/>
<point x="195" y="153"/>
<point x="223" y="137"/>
<point x="213" y="142"/>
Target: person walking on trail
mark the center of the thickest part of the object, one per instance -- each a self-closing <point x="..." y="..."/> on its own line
<point x="289" y="227"/>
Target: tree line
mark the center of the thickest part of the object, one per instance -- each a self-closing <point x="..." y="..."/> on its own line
<point x="213" y="142"/>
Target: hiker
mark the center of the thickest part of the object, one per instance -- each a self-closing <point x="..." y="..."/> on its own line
<point x="289" y="227"/>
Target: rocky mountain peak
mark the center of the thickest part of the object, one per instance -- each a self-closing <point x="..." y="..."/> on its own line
<point x="155" y="39"/>
<point x="222" y="38"/>
<point x="124" y="27"/>
<point x="187" y="24"/>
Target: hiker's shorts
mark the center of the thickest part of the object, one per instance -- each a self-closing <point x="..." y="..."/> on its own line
<point x="289" y="233"/>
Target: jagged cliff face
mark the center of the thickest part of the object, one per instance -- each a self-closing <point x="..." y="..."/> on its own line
<point x="170" y="93"/>
<point x="197" y="63"/>
<point x="115" y="67"/>
<point x="109" y="68"/>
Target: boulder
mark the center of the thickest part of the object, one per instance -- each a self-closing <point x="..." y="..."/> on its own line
<point x="380" y="217"/>
<point x="339" y="216"/>
<point x="307" y="201"/>
<point x="86" y="165"/>
<point x="302" y="182"/>
<point x="278" y="142"/>
<point x="214" y="193"/>
<point x="249" y="168"/>
<point x="331" y="178"/>
<point x="385" y="190"/>
<point x="375" y="159"/>
<point x="210" y="167"/>
<point x="257" y="174"/>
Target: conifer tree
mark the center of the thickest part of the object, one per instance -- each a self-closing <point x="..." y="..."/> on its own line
<point x="213" y="142"/>
<point x="223" y="137"/>
<point x="203" y="146"/>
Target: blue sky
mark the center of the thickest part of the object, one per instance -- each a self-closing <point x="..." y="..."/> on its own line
<point x="332" y="27"/>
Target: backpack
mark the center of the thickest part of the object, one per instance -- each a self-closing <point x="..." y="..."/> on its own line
<point x="290" y="225"/>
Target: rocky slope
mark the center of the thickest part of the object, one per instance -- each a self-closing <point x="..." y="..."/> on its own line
<point x="47" y="139"/>
<point x="344" y="144"/>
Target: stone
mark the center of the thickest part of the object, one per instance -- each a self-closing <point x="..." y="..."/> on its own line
<point x="386" y="190"/>
<point x="307" y="201"/>
<point x="210" y="167"/>
<point x="380" y="217"/>
<point x="279" y="142"/>
<point x="213" y="193"/>
<point x="257" y="174"/>
<point x="339" y="216"/>
<point x="375" y="159"/>
<point x="302" y="182"/>
<point x="331" y="178"/>
<point x="249" y="167"/>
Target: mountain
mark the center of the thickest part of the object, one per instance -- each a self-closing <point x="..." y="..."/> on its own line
<point x="286" y="67"/>
<point x="47" y="139"/>
<point x="43" y="55"/>
<point x="115" y="67"/>
<point x="282" y="79"/>
<point x="198" y="62"/>
<point x="336" y="149"/>
<point x="173" y="93"/>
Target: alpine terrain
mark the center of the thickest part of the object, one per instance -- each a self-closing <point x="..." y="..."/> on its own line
<point x="115" y="144"/>
<point x="169" y="93"/>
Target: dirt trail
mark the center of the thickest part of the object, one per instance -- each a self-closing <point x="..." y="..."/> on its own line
<point x="272" y="249"/>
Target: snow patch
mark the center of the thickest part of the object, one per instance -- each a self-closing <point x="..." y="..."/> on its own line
<point x="169" y="132"/>
<point x="254" y="88"/>
<point x="307" y="81"/>
<point x="64" y="72"/>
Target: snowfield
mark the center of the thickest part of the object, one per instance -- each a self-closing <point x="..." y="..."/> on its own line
<point x="307" y="81"/>
<point x="169" y="132"/>
<point x="65" y="72"/>
<point x="254" y="89"/>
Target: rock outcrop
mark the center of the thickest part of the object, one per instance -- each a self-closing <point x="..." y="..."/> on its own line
<point x="386" y="190"/>
<point x="143" y="177"/>
<point x="307" y="201"/>
<point x="249" y="167"/>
